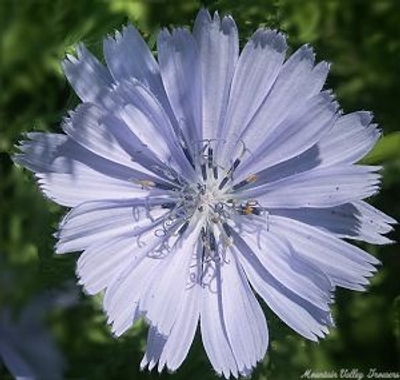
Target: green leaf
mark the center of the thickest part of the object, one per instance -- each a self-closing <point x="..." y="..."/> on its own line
<point x="387" y="148"/>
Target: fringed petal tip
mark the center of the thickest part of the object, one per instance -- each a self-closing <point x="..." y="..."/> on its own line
<point x="272" y="38"/>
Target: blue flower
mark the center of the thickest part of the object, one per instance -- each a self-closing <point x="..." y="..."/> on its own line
<point x="200" y="177"/>
<point x="27" y="348"/>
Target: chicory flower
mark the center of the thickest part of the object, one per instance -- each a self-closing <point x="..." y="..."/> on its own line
<point x="201" y="176"/>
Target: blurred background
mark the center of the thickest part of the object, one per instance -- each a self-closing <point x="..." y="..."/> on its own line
<point x="362" y="40"/>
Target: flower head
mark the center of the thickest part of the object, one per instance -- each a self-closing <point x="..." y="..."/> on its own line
<point x="197" y="177"/>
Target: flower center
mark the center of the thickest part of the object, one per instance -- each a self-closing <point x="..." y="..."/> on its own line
<point x="211" y="200"/>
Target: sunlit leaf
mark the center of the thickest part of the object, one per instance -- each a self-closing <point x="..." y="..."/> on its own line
<point x="387" y="148"/>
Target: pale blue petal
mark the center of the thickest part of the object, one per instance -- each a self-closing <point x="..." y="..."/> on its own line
<point x="318" y="77"/>
<point x="128" y="56"/>
<point x="352" y="137"/>
<point x="108" y="137"/>
<point x="320" y="187"/>
<point x="70" y="174"/>
<point x="122" y="300"/>
<point x="85" y="184"/>
<point x="146" y="118"/>
<point x="348" y="141"/>
<point x="296" y="312"/>
<point x="181" y="74"/>
<point x="88" y="77"/>
<point x="96" y="221"/>
<point x="257" y="69"/>
<point x="213" y="330"/>
<point x="122" y="296"/>
<point x="218" y="43"/>
<point x="280" y="259"/>
<point x="161" y="301"/>
<point x="245" y="324"/>
<point x="170" y="351"/>
<point x="87" y="129"/>
<point x="353" y="146"/>
<point x="379" y="217"/>
<point x="154" y="348"/>
<point x="57" y="153"/>
<point x="298" y="164"/>
<point x="38" y="152"/>
<point x="345" y="221"/>
<point x="346" y="265"/>
<point x="292" y="88"/>
<point x="103" y="261"/>
<point x="183" y="331"/>
<point x="137" y="121"/>
<point x="293" y="136"/>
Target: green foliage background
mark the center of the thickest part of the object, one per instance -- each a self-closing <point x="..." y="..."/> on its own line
<point x="362" y="40"/>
